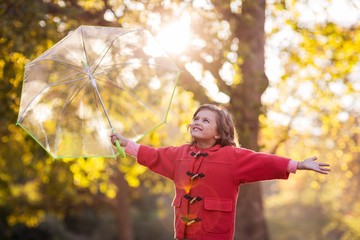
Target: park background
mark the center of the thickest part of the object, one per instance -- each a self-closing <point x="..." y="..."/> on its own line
<point x="287" y="70"/>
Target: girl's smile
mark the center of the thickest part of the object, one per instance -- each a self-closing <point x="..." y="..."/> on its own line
<point x="204" y="128"/>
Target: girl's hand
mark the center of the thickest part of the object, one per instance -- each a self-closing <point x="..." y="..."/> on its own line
<point x="117" y="136"/>
<point x="310" y="164"/>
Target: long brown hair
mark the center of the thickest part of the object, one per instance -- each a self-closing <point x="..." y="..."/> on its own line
<point x="224" y="123"/>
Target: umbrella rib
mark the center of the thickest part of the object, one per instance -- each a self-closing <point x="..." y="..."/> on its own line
<point x="83" y="46"/>
<point x="73" y="66"/>
<point x="67" y="82"/>
<point x="142" y="62"/>
<point x="47" y="147"/>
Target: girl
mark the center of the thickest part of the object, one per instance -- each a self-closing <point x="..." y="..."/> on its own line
<point x="208" y="171"/>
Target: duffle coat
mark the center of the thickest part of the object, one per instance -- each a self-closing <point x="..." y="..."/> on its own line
<point x="207" y="184"/>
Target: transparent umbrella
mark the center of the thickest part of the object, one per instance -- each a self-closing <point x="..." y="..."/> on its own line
<point x="93" y="81"/>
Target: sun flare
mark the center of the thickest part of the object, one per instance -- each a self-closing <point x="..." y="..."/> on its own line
<point x="175" y="37"/>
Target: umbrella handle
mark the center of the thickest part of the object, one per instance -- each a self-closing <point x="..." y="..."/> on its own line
<point x="120" y="149"/>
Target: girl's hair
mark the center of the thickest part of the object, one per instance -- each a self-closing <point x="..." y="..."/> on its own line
<point x="224" y="123"/>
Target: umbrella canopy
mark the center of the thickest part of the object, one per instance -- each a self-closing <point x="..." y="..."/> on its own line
<point x="93" y="81"/>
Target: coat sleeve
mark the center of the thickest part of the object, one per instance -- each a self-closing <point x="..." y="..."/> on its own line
<point x="158" y="160"/>
<point x="250" y="166"/>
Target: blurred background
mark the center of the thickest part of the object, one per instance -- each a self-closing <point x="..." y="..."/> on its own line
<point x="288" y="71"/>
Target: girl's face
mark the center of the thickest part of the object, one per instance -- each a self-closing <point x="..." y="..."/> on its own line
<point x="204" y="128"/>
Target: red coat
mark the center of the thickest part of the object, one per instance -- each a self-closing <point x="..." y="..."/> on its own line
<point x="207" y="184"/>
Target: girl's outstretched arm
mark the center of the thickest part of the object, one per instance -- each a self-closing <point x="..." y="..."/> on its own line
<point x="310" y="164"/>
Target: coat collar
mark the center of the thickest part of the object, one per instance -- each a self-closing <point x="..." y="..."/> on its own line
<point x="194" y="148"/>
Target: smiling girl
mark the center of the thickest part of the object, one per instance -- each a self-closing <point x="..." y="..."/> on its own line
<point x="208" y="171"/>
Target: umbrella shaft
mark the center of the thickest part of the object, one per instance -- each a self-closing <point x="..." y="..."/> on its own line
<point x="102" y="104"/>
<point x="92" y="80"/>
<point x="93" y="83"/>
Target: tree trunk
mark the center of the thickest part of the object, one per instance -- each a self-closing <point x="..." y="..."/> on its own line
<point x="250" y="221"/>
<point x="246" y="107"/>
<point x="121" y="206"/>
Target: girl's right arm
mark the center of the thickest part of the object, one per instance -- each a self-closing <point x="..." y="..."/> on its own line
<point x="159" y="160"/>
<point x="117" y="136"/>
<point x="131" y="147"/>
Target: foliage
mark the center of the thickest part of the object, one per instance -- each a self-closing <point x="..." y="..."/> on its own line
<point x="312" y="108"/>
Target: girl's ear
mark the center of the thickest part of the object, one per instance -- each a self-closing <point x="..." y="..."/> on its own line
<point x="217" y="136"/>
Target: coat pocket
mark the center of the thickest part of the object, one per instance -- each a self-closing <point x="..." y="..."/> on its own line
<point x="218" y="215"/>
<point x="176" y="202"/>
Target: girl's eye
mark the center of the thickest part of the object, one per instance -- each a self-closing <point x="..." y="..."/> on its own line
<point x="207" y="121"/>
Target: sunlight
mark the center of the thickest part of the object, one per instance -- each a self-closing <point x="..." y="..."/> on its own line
<point x="207" y="80"/>
<point x="175" y="37"/>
